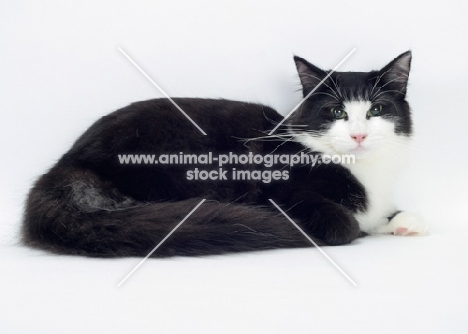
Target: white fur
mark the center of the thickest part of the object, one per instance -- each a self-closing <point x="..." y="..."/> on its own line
<point x="378" y="159"/>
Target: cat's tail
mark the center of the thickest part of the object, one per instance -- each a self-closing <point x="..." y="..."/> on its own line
<point x="72" y="211"/>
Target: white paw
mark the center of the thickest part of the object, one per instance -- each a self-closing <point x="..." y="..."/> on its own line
<point x="406" y="223"/>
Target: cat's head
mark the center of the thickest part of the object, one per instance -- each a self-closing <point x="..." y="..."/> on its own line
<point x="356" y="113"/>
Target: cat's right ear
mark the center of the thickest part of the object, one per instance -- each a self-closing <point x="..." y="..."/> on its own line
<point x="309" y="74"/>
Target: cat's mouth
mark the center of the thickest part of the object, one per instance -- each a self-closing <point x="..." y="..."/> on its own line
<point x="359" y="151"/>
<point x="359" y="148"/>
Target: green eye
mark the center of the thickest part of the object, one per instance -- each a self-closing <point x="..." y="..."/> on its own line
<point x="375" y="111"/>
<point x="338" y="113"/>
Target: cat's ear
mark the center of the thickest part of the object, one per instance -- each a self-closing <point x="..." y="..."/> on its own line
<point x="394" y="76"/>
<point x="309" y="74"/>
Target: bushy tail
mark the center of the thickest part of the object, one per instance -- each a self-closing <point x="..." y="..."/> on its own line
<point x="72" y="211"/>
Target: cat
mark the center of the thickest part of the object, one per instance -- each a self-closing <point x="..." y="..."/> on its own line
<point x="90" y="203"/>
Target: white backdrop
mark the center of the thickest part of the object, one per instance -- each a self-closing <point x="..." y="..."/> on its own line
<point x="60" y="70"/>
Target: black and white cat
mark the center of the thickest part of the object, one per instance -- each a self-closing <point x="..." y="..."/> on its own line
<point x="91" y="204"/>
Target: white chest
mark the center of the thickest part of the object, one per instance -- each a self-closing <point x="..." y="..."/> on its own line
<point x="378" y="178"/>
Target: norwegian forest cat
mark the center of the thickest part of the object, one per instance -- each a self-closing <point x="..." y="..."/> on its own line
<point x="93" y="203"/>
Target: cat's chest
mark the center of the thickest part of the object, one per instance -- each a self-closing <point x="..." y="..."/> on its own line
<point x="378" y="180"/>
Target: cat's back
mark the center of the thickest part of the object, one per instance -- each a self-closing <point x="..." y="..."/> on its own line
<point x="207" y="112"/>
<point x="212" y="115"/>
<point x="157" y="125"/>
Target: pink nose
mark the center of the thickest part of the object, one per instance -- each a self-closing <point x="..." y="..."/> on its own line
<point x="358" y="138"/>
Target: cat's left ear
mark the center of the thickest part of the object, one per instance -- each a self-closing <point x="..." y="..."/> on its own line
<point x="394" y="76"/>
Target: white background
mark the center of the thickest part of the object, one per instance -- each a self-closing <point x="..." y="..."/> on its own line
<point x="60" y="70"/>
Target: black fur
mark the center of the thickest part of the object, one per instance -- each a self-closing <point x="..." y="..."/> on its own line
<point x="90" y="204"/>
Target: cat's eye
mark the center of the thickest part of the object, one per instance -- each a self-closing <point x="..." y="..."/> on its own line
<point x="338" y="113"/>
<point x="374" y="111"/>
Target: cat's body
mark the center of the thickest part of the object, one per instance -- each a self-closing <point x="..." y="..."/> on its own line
<point x="90" y="203"/>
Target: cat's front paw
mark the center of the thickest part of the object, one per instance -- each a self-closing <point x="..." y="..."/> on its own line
<point x="406" y="223"/>
<point x="336" y="227"/>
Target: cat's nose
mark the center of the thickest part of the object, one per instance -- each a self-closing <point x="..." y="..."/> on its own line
<point x="358" y="138"/>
